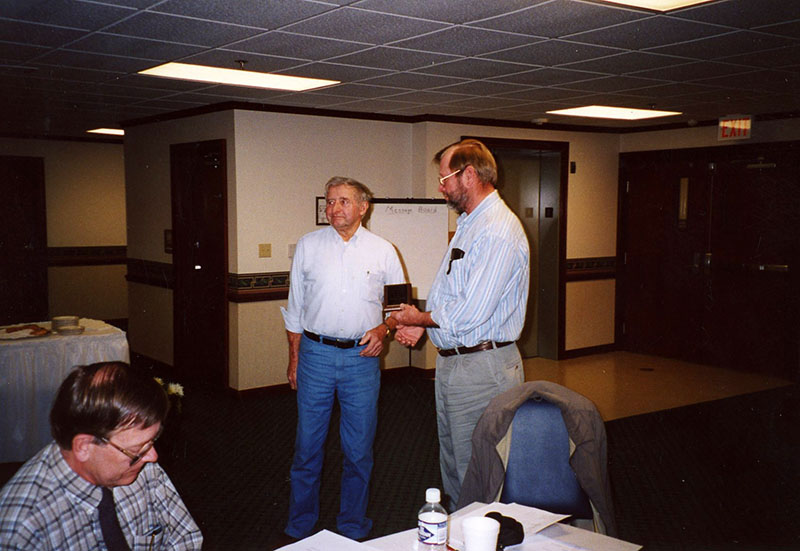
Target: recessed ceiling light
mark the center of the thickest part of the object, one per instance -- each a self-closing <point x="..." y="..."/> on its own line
<point x="605" y="112"/>
<point x="110" y="131"/>
<point x="658" y="5"/>
<point x="236" y="77"/>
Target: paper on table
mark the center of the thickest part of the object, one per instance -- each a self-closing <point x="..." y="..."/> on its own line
<point x="327" y="541"/>
<point x="532" y="519"/>
<point x="546" y="544"/>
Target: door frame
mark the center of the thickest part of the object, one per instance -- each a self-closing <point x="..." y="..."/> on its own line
<point x="182" y="258"/>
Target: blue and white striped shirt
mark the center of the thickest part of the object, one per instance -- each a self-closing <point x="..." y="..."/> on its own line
<point x="485" y="295"/>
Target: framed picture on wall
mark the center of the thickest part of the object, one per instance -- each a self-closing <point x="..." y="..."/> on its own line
<point x="322" y="220"/>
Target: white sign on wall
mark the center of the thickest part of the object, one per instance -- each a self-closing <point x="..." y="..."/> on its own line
<point x="734" y="127"/>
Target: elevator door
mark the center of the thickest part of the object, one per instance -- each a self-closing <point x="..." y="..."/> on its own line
<point x="529" y="181"/>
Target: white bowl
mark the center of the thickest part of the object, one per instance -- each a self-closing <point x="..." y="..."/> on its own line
<point x="63" y="321"/>
<point x="70" y="330"/>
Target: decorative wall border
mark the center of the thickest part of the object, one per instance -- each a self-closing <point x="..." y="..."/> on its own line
<point x="87" y="256"/>
<point x="586" y="269"/>
<point x="258" y="287"/>
<point x="267" y="286"/>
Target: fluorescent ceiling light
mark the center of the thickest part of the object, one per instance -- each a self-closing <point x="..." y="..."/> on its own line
<point x="658" y="5"/>
<point x="236" y="77"/>
<point x="111" y="131"/>
<point x="605" y="112"/>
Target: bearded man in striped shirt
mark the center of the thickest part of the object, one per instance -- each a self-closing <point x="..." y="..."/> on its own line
<point x="476" y="305"/>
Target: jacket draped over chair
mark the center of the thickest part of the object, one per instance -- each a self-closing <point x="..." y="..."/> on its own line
<point x="485" y="475"/>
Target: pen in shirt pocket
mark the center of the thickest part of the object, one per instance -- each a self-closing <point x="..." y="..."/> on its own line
<point x="153" y="532"/>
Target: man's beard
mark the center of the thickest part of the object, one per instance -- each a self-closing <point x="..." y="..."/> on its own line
<point x="457" y="200"/>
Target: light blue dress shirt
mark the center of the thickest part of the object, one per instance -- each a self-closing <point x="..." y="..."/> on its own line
<point x="336" y="286"/>
<point x="485" y="295"/>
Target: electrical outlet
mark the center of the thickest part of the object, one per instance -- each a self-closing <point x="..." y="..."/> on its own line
<point x="264" y="250"/>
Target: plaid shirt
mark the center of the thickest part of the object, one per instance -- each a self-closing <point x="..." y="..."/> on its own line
<point x="47" y="506"/>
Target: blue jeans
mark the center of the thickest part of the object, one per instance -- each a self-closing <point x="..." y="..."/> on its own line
<point x="325" y="372"/>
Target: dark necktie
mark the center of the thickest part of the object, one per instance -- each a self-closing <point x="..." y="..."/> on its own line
<point x="109" y="524"/>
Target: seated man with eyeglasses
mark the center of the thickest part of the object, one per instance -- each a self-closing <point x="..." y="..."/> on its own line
<point x="99" y="480"/>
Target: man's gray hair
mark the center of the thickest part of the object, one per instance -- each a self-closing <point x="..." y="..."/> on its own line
<point x="365" y="195"/>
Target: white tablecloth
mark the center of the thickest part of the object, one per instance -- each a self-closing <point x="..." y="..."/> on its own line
<point x="31" y="371"/>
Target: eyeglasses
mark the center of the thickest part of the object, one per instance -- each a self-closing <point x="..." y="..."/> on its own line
<point x="132" y="456"/>
<point x="443" y="178"/>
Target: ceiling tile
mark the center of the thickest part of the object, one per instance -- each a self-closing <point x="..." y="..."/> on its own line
<point x="335" y="71"/>
<point x="625" y="63"/>
<point x="717" y="47"/>
<point x="552" y="52"/>
<point x="693" y="71"/>
<point x="462" y="11"/>
<point x="298" y="46"/>
<point x="180" y="29"/>
<point x="252" y="62"/>
<point x="742" y="14"/>
<point x="278" y="14"/>
<point x="36" y="35"/>
<point x="547" y="77"/>
<point x="397" y="59"/>
<point x="64" y="13"/>
<point x="374" y="28"/>
<point x="463" y="41"/>
<point x="475" y="68"/>
<point x="651" y="32"/>
<point x="548" y="19"/>
<point x="101" y="43"/>
<point x="415" y="81"/>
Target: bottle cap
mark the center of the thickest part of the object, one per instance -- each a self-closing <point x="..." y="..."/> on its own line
<point x="432" y="495"/>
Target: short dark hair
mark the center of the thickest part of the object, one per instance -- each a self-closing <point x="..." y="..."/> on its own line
<point x="471" y="152"/>
<point x="363" y="192"/>
<point x="100" y="398"/>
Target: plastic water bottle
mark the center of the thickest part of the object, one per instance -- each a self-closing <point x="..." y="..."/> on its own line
<point x="432" y="523"/>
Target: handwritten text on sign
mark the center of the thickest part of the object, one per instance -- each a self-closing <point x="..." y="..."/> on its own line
<point x="734" y="128"/>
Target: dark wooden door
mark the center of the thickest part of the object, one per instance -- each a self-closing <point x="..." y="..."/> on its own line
<point x="200" y="261"/>
<point x="23" y="240"/>
<point x="661" y="280"/>
<point x="754" y="301"/>
<point x="720" y="286"/>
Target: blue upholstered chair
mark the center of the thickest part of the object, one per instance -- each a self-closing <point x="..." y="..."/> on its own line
<point x="538" y="472"/>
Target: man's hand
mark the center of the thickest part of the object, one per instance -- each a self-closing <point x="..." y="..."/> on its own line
<point x="410" y="315"/>
<point x="294" y="354"/>
<point x="374" y="341"/>
<point x="408" y="335"/>
<point x="291" y="374"/>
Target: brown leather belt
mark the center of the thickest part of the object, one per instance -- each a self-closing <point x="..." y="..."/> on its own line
<point x="338" y="343"/>
<point x="488" y="345"/>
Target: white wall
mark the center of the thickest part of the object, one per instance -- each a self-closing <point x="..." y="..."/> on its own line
<point x="283" y="162"/>
<point x="85" y="202"/>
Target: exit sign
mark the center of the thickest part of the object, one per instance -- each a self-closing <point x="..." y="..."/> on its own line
<point x="735" y="127"/>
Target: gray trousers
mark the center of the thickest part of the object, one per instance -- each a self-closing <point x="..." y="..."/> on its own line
<point x="465" y="384"/>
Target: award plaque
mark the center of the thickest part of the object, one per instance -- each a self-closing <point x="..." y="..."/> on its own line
<point x="395" y="295"/>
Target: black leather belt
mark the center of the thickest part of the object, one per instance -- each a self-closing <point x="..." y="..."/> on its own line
<point x="488" y="345"/>
<point x="338" y="343"/>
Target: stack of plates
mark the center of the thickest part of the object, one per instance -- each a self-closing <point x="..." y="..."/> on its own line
<point x="66" y="325"/>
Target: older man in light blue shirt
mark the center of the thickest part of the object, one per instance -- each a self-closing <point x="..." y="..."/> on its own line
<point x="335" y="326"/>
<point x="476" y="305"/>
